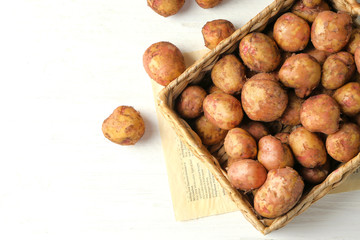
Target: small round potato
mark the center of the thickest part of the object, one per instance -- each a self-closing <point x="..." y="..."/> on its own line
<point x="307" y="147"/>
<point x="354" y="41"/>
<point x="246" y="174"/>
<point x="223" y="110"/>
<point x="263" y="100"/>
<point x="163" y="62"/>
<point x="302" y="72"/>
<point x="311" y="3"/>
<point x="213" y="89"/>
<point x="291" y="32"/>
<point x="307" y="13"/>
<point x="320" y="113"/>
<point x="291" y="116"/>
<point x="166" y="8"/>
<point x="319" y="55"/>
<point x="259" y="52"/>
<point x="348" y="97"/>
<point x="124" y="126"/>
<point x="208" y="132"/>
<point x="280" y="192"/>
<point x="273" y="76"/>
<point x="190" y="102"/>
<point x="357" y="59"/>
<point x="283" y="137"/>
<point x="256" y="129"/>
<point x="345" y="143"/>
<point x="337" y="70"/>
<point x="315" y="175"/>
<point x="215" y="31"/>
<point x="331" y="31"/>
<point x="208" y="3"/>
<point x="240" y="144"/>
<point x="228" y="74"/>
<point x="273" y="154"/>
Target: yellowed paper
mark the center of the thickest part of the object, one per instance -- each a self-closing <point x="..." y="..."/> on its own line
<point x="194" y="191"/>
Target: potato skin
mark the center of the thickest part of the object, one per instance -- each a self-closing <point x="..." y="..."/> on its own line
<point x="280" y="192"/>
<point x="291" y="115"/>
<point x="240" y="144"/>
<point x="307" y="148"/>
<point x="190" y="102"/>
<point x="357" y="59"/>
<point x="307" y="13"/>
<point x="345" y="143"/>
<point x="319" y="55"/>
<point x="259" y="52"/>
<point x="215" y="31"/>
<point x="283" y="137"/>
<point x="208" y="132"/>
<point x="331" y="31"/>
<point x="223" y="110"/>
<point x="337" y="70"/>
<point x="273" y="154"/>
<point x="208" y="3"/>
<point x="311" y="3"/>
<point x="256" y="129"/>
<point x="348" y="97"/>
<point x="124" y="126"/>
<point x="302" y="72"/>
<point x="246" y="174"/>
<point x="291" y="32"/>
<point x="166" y="8"/>
<point x="354" y="41"/>
<point x="213" y="89"/>
<point x="320" y="113"/>
<point x="263" y="100"/>
<point x="273" y="76"/>
<point x="315" y="175"/>
<point x="163" y="62"/>
<point x="228" y="74"/>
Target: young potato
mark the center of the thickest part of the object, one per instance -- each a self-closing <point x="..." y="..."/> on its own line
<point x="273" y="154"/>
<point x="302" y="72"/>
<point x="208" y="132"/>
<point x="166" y="8"/>
<point x="307" y="147"/>
<point x="215" y="31"/>
<point x="259" y="52"/>
<point x="345" y="143"/>
<point x="213" y="89"/>
<point x="283" y="137"/>
<point x="223" y="110"/>
<point x="315" y="175"/>
<point x="228" y="74"/>
<point x="263" y="100"/>
<point x="280" y="192"/>
<point x="246" y="174"/>
<point x="354" y="41"/>
<point x="320" y="113"/>
<point x="124" y="126"/>
<point x="291" y="32"/>
<point x="163" y="62"/>
<point x="331" y="31"/>
<point x="190" y="102"/>
<point x="256" y="129"/>
<point x="311" y="3"/>
<point x="319" y="55"/>
<point x="337" y="70"/>
<point x="208" y="3"/>
<point x="291" y="116"/>
<point x="357" y="59"/>
<point x="348" y="97"/>
<point x="273" y="76"/>
<point x="240" y="144"/>
<point x="308" y="13"/>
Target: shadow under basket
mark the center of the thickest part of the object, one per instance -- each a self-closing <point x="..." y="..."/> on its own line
<point x="196" y="73"/>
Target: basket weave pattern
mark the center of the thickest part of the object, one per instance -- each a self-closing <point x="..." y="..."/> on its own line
<point x="195" y="74"/>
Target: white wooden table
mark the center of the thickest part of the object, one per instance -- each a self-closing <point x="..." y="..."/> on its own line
<point x="65" y="65"/>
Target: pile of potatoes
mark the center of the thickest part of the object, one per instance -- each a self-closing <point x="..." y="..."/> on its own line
<point x="285" y="106"/>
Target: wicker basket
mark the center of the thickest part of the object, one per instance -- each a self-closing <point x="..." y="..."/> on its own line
<point x="196" y="73"/>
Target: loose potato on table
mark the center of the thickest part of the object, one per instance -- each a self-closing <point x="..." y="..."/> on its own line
<point x="279" y="194"/>
<point x="320" y="113"/>
<point x="308" y="13"/>
<point x="315" y="175"/>
<point x="263" y="100"/>
<point x="215" y="31"/>
<point x="246" y="174"/>
<point x="163" y="62"/>
<point x="240" y="144"/>
<point x="302" y="72"/>
<point x="208" y="3"/>
<point x="208" y="132"/>
<point x="259" y="52"/>
<point x="223" y="110"/>
<point x="190" y="102"/>
<point x="124" y="126"/>
<point x="256" y="129"/>
<point x="291" y="116"/>
<point x="331" y="31"/>
<point x="337" y="70"/>
<point x="348" y="97"/>
<point x="307" y="148"/>
<point x="228" y="74"/>
<point x="273" y="154"/>
<point x="291" y="32"/>
<point x="166" y="7"/>
<point x="345" y="143"/>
